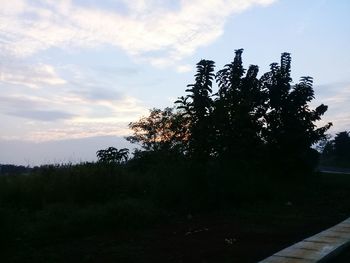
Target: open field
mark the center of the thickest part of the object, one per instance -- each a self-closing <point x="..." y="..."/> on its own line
<point x="113" y="219"/>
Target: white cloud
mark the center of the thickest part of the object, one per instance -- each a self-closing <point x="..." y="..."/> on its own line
<point x="147" y="27"/>
<point x="78" y="131"/>
<point x="33" y="76"/>
<point x="12" y="7"/>
<point x="184" y="68"/>
<point x="337" y="97"/>
<point x="148" y="30"/>
<point x="82" y="120"/>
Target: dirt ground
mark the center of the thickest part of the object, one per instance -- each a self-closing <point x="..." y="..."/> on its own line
<point x="217" y="240"/>
<point x="197" y="239"/>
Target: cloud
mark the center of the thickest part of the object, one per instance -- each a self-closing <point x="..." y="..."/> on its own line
<point x="13" y="7"/>
<point x="19" y="101"/>
<point x="85" y="102"/>
<point x="149" y="30"/>
<point x="31" y="107"/>
<point x="97" y="93"/>
<point x="337" y="97"/>
<point x="42" y="115"/>
<point x="32" y="76"/>
<point x="78" y="130"/>
<point x="59" y="102"/>
<point x="117" y="71"/>
<point x="184" y="68"/>
<point x="49" y="120"/>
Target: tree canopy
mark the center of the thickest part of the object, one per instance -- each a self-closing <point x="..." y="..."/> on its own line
<point x="112" y="155"/>
<point x="248" y="120"/>
<point x="337" y="150"/>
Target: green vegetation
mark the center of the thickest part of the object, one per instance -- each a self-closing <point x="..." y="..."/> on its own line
<point x="55" y="208"/>
<point x="55" y="202"/>
<point x="336" y="151"/>
<point x="249" y="125"/>
<point x="112" y="155"/>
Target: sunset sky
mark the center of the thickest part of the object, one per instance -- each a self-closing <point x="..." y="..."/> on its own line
<point x="74" y="73"/>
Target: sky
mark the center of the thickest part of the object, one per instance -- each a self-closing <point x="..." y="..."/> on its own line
<point x="74" y="73"/>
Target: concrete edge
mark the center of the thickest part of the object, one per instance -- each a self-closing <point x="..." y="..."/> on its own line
<point x="335" y="252"/>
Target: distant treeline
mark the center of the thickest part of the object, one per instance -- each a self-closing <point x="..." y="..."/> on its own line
<point x="8" y="169"/>
<point x="336" y="151"/>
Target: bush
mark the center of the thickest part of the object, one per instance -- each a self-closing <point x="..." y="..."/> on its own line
<point x="63" y="221"/>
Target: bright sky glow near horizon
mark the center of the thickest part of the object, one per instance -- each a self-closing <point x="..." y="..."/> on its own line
<point x="74" y="73"/>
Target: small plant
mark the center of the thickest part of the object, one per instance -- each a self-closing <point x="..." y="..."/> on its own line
<point x="112" y="155"/>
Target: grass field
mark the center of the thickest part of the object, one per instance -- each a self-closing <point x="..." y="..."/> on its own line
<point x="92" y="213"/>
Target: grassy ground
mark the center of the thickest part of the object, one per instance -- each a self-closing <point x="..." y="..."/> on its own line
<point x="129" y="225"/>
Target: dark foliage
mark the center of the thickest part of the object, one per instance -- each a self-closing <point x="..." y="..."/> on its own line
<point x="336" y="151"/>
<point x="112" y="155"/>
<point x="197" y="107"/>
<point x="162" y="130"/>
<point x="342" y="146"/>
<point x="240" y="107"/>
<point x="8" y="169"/>
<point x="249" y="125"/>
<point x="290" y="123"/>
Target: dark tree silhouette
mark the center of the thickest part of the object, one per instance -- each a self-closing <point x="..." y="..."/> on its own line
<point x="161" y="130"/>
<point x="197" y="108"/>
<point x="112" y="155"/>
<point x="291" y="128"/>
<point x="239" y="110"/>
<point x="338" y="148"/>
<point x="250" y="122"/>
<point x="342" y="146"/>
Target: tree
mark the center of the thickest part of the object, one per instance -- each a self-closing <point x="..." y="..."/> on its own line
<point x="196" y="107"/>
<point x="336" y="151"/>
<point x="342" y="146"/>
<point x="250" y="121"/>
<point x="161" y="130"/>
<point x="239" y="110"/>
<point x="112" y="155"/>
<point x="290" y="122"/>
